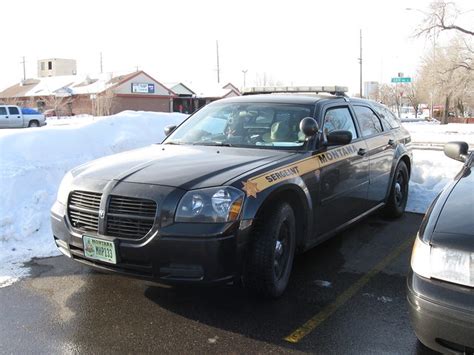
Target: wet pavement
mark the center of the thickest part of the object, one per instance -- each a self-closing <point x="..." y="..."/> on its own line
<point x="354" y="284"/>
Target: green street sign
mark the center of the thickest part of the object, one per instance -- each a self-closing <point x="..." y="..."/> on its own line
<point x="401" y="80"/>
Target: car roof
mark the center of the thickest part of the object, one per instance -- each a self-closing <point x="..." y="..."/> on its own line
<point x="306" y="98"/>
<point x="281" y="98"/>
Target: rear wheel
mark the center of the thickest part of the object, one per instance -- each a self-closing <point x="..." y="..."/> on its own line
<point x="33" y="124"/>
<point x="397" y="200"/>
<point x="271" y="253"/>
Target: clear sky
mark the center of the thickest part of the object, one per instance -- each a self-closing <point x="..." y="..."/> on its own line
<point x="295" y="42"/>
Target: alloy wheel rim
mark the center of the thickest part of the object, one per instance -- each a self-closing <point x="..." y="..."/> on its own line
<point x="399" y="188"/>
<point x="282" y="251"/>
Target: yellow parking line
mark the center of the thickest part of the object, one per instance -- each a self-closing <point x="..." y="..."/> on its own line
<point x="324" y="314"/>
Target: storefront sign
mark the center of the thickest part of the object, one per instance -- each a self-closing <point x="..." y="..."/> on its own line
<point x="143" y="88"/>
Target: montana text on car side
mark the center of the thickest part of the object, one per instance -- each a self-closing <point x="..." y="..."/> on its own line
<point x="236" y="190"/>
<point x="441" y="279"/>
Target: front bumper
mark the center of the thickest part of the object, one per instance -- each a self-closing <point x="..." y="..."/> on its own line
<point x="442" y="314"/>
<point x="177" y="254"/>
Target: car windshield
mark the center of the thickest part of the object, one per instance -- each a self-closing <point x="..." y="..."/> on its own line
<point x="245" y="124"/>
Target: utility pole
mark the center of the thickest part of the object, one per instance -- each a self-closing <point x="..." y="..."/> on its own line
<point x="24" y="68"/>
<point x="360" y="63"/>
<point x="245" y="73"/>
<point x="218" y="67"/>
<point x="101" y="68"/>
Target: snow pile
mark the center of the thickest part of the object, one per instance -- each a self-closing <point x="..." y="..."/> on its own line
<point x="33" y="162"/>
<point x="431" y="171"/>
<point x="432" y="133"/>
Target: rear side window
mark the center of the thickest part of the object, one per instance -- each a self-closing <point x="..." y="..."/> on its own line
<point x="339" y="118"/>
<point x="13" y="110"/>
<point x="389" y="120"/>
<point x="368" y="121"/>
<point x="3" y="111"/>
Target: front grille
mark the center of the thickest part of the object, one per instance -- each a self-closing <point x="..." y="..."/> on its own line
<point x="83" y="210"/>
<point x="129" y="217"/>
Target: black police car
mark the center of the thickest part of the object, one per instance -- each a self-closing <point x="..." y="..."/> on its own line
<point x="441" y="281"/>
<point x="236" y="190"/>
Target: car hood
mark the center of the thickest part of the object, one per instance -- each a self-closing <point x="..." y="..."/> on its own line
<point x="183" y="166"/>
<point x="455" y="225"/>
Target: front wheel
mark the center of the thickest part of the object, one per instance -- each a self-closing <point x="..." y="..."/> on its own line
<point x="33" y="124"/>
<point x="398" y="197"/>
<point x="271" y="252"/>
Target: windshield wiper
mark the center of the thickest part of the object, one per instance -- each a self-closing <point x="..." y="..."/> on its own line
<point x="216" y="144"/>
<point x="173" y="143"/>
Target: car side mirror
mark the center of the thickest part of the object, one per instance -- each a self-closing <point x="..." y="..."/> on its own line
<point x="338" y="137"/>
<point x="457" y="150"/>
<point x="309" y="126"/>
<point x="169" y="129"/>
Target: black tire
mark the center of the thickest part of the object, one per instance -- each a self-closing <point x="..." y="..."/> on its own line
<point x="33" y="124"/>
<point x="271" y="254"/>
<point x="397" y="200"/>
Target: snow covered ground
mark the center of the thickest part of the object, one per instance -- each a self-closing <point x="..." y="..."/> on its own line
<point x="33" y="161"/>
<point x="434" y="134"/>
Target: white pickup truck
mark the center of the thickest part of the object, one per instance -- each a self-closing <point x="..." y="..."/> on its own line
<point x="16" y="117"/>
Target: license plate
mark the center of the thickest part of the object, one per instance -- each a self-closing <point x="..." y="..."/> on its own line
<point x="99" y="249"/>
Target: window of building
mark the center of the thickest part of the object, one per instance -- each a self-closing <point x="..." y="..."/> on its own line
<point x="368" y="121"/>
<point x="50" y="65"/>
<point x="42" y="65"/>
<point x="339" y="119"/>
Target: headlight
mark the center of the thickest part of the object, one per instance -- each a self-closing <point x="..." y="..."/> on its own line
<point x="213" y="205"/>
<point x="65" y="188"/>
<point x="420" y="258"/>
<point x="450" y="265"/>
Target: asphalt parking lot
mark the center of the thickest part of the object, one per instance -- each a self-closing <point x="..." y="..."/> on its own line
<point x="345" y="296"/>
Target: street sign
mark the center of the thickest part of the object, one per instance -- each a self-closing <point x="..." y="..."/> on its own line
<point x="401" y="80"/>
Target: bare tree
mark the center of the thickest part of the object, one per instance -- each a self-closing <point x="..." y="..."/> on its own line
<point x="56" y="102"/>
<point x="453" y="84"/>
<point x="264" y="79"/>
<point x="10" y="100"/>
<point x="415" y="93"/>
<point x="444" y="16"/>
<point x="104" y="103"/>
<point x="391" y="96"/>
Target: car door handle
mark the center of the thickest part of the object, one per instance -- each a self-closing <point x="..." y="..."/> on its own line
<point x="361" y="151"/>
<point x="6" y="116"/>
<point x="391" y="142"/>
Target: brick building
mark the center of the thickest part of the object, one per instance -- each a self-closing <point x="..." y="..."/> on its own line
<point x="103" y="94"/>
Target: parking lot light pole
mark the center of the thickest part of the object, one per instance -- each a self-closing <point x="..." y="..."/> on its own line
<point x="244" y="71"/>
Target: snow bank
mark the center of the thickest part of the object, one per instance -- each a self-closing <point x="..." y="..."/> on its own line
<point x="33" y="162"/>
<point x="431" y="171"/>
<point x="429" y="132"/>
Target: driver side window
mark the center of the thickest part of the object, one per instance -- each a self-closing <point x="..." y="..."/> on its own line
<point x="339" y="118"/>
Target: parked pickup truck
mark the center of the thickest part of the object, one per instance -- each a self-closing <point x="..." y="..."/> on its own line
<point x="16" y="117"/>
